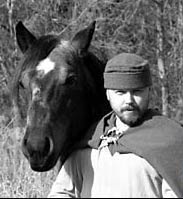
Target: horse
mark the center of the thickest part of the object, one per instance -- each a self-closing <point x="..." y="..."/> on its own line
<point x="62" y="82"/>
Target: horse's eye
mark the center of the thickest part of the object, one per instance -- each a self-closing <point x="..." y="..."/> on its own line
<point x="71" y="80"/>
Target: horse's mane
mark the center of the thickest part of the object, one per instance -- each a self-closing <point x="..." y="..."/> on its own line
<point x="96" y="68"/>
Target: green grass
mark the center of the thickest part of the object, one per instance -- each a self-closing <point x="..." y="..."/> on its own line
<point x="17" y="180"/>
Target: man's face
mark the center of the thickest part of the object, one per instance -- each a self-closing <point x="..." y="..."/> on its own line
<point x="129" y="105"/>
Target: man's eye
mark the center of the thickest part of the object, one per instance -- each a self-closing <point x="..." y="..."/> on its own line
<point x="120" y="92"/>
<point x="138" y="91"/>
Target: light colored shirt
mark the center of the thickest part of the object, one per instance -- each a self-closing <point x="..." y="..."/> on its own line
<point x="91" y="173"/>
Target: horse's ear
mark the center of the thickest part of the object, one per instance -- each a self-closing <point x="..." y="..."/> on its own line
<point x="82" y="39"/>
<point x="24" y="37"/>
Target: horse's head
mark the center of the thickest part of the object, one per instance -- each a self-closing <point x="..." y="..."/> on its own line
<point x="63" y="83"/>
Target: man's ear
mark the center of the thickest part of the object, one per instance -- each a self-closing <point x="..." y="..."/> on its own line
<point x="107" y="94"/>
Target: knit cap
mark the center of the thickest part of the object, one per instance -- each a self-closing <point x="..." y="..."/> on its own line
<point x="127" y="71"/>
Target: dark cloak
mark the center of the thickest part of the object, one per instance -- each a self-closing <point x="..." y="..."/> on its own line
<point x="156" y="138"/>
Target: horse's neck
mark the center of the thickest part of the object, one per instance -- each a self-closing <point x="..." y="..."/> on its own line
<point x="99" y="102"/>
<point x="103" y="109"/>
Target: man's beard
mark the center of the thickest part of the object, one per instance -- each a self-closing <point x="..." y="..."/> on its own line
<point x="131" y="115"/>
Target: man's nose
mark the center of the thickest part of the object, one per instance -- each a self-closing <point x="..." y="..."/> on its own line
<point x="129" y="97"/>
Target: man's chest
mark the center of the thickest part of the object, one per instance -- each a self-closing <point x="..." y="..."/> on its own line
<point x="120" y="175"/>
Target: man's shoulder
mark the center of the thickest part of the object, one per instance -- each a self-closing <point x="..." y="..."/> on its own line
<point x="155" y="116"/>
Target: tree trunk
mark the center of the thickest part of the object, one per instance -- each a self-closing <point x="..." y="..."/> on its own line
<point x="160" y="58"/>
<point x="17" y="117"/>
<point x="10" y="4"/>
<point x="180" y="32"/>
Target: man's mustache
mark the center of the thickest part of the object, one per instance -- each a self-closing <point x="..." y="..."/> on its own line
<point x="131" y="108"/>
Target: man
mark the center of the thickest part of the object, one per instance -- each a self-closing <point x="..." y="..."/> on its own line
<point x="133" y="151"/>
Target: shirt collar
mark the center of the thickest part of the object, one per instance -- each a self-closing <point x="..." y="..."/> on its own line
<point x="120" y="125"/>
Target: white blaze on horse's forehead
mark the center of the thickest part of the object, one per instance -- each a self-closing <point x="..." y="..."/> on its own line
<point x="45" y="66"/>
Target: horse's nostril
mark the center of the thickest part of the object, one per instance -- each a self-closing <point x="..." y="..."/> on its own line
<point x="38" y="148"/>
<point x="27" y="148"/>
<point x="46" y="147"/>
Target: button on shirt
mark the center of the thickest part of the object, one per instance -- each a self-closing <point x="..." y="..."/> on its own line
<point x="95" y="173"/>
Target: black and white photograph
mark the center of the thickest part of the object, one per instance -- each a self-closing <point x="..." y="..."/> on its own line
<point x="91" y="99"/>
